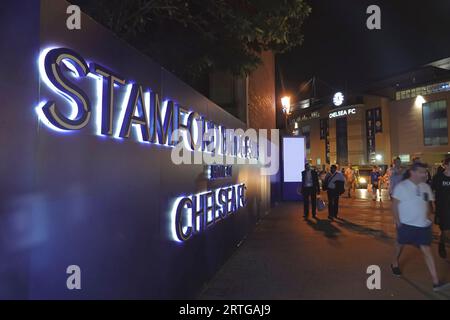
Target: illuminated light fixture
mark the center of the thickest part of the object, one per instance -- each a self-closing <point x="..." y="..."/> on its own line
<point x="379" y="157"/>
<point x="286" y="104"/>
<point x="419" y="101"/>
<point x="338" y="99"/>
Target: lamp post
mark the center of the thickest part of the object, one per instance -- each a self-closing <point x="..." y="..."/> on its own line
<point x="286" y="108"/>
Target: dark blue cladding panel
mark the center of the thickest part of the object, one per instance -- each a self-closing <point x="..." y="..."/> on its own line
<point x="95" y="201"/>
<point x="290" y="192"/>
<point x="19" y="44"/>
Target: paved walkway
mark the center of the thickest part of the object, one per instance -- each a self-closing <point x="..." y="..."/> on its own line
<point x="286" y="257"/>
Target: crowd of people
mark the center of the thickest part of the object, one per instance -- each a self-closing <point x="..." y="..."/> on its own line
<point x="415" y="195"/>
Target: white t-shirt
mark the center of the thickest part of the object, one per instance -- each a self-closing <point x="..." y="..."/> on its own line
<point x="413" y="207"/>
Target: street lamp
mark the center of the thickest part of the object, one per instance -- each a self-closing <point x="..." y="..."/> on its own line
<point x="286" y="108"/>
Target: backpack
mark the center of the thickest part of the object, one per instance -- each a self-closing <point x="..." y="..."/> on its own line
<point x="340" y="188"/>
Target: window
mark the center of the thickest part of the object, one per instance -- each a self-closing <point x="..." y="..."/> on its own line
<point x="403" y="95"/>
<point x="405" y="158"/>
<point x="435" y="123"/>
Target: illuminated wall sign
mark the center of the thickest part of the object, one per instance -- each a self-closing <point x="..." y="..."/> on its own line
<point x="312" y="115"/>
<point x="342" y="113"/>
<point x="338" y="99"/>
<point x="214" y="172"/>
<point x="374" y="125"/>
<point x="141" y="109"/>
<point x="325" y="135"/>
<point x="194" y="214"/>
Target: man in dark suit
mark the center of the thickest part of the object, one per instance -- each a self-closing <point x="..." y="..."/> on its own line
<point x="310" y="188"/>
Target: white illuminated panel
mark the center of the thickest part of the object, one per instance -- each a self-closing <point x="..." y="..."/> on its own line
<point x="293" y="159"/>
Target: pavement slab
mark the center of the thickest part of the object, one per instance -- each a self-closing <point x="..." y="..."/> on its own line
<point x="289" y="258"/>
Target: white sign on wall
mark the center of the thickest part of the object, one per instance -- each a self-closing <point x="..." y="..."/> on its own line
<point x="338" y="99"/>
<point x="342" y="113"/>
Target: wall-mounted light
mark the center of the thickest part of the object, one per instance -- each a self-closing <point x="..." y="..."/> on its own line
<point x="286" y="108"/>
<point x="286" y="104"/>
<point x="419" y="101"/>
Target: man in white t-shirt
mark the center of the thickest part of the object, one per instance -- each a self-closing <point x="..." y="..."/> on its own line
<point x="411" y="208"/>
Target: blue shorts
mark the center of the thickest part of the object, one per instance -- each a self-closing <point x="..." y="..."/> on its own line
<point x="416" y="236"/>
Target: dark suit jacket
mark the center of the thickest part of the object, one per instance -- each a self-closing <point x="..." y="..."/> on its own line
<point x="315" y="180"/>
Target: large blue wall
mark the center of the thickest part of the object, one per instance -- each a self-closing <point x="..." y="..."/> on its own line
<point x="89" y="200"/>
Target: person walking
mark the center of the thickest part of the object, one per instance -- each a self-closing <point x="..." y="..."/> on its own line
<point x="411" y="210"/>
<point x="334" y="185"/>
<point x="350" y="180"/>
<point x="310" y="190"/>
<point x="396" y="175"/>
<point x="417" y="160"/>
<point x="441" y="186"/>
<point x="375" y="182"/>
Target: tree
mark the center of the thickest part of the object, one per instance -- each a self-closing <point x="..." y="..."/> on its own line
<point x="192" y="38"/>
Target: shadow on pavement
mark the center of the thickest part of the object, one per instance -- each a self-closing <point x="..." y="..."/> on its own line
<point x="378" y="234"/>
<point x="324" y="226"/>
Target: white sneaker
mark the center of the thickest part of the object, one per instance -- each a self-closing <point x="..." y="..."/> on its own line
<point x="441" y="286"/>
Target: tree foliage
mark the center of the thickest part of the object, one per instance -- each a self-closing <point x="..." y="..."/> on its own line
<point x="193" y="37"/>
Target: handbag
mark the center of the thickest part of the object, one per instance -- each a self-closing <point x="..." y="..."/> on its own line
<point x="321" y="205"/>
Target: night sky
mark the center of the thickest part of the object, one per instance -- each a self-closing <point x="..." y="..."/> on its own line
<point x="340" y="50"/>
